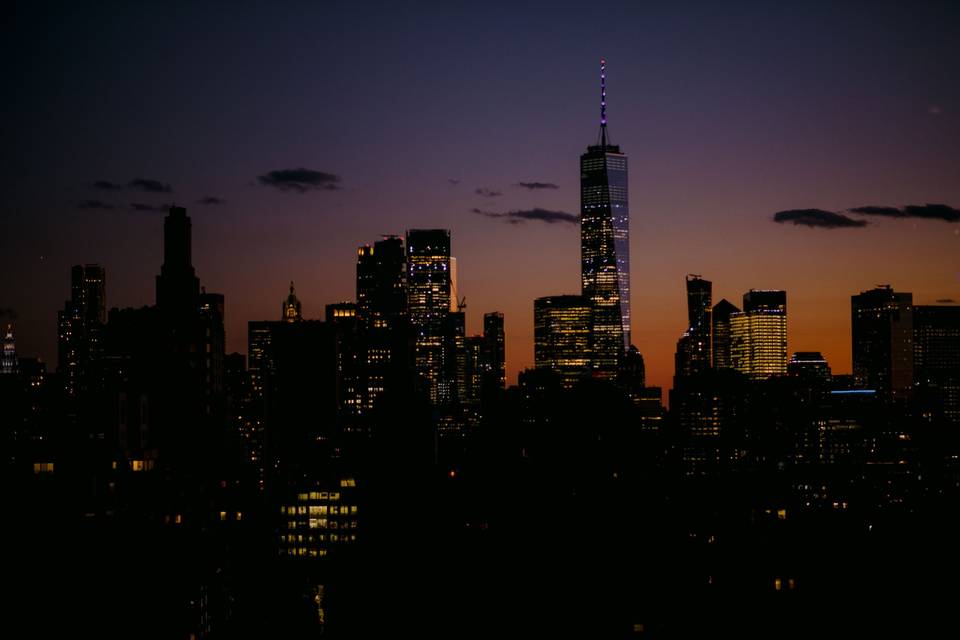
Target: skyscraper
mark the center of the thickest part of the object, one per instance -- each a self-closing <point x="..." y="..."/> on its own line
<point x="721" y="333"/>
<point x="292" y="310"/>
<point x="936" y="351"/>
<point x="493" y="355"/>
<point x="428" y="299"/>
<point x="178" y="287"/>
<point x="695" y="347"/>
<point x="810" y="366"/>
<point x="882" y="325"/>
<point x="758" y="334"/>
<point x="381" y="282"/>
<point x="80" y="325"/>
<point x="604" y="245"/>
<point x="561" y="334"/>
<point x="8" y="358"/>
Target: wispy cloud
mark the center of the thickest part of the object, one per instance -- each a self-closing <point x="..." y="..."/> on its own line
<point x="533" y="186"/>
<point x="487" y="193"/>
<point x="927" y="211"/>
<point x="106" y="185"/>
<point x="94" y="204"/>
<point x="211" y="200"/>
<point x="817" y="218"/>
<point x="453" y="181"/>
<point x="150" y="186"/>
<point x="300" y="180"/>
<point x="523" y="215"/>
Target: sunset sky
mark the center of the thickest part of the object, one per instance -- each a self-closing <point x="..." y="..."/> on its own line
<point x="416" y="117"/>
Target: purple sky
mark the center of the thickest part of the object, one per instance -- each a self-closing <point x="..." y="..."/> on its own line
<point x="729" y="113"/>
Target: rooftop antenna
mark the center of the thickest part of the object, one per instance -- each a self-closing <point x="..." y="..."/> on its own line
<point x="603" y="103"/>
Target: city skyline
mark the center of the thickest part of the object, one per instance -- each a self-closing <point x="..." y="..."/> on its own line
<point x="710" y="170"/>
<point x="350" y="320"/>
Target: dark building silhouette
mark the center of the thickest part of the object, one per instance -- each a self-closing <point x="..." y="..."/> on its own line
<point x="178" y="287"/>
<point x="494" y="351"/>
<point x="810" y="366"/>
<point x="882" y="325"/>
<point x="722" y="311"/>
<point x="695" y="348"/>
<point x="429" y="300"/>
<point x="561" y="335"/>
<point x="80" y="325"/>
<point x="382" y="282"/>
<point x="936" y="357"/>
<point x="605" y="246"/>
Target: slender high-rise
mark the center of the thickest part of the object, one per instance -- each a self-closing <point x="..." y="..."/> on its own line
<point x="428" y="298"/>
<point x="605" y="246"/>
<point x="80" y="325"/>
<point x="178" y="289"/>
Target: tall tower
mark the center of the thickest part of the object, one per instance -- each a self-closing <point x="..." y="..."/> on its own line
<point x="8" y="357"/>
<point x="292" y="310"/>
<point x="605" y="245"/>
<point x="695" y="347"/>
<point x="80" y="325"/>
<point x="882" y="324"/>
<point x="494" y="343"/>
<point x="178" y="289"/>
<point x="428" y="299"/>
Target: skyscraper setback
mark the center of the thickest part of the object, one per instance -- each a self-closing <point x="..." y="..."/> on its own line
<point x="605" y="246"/>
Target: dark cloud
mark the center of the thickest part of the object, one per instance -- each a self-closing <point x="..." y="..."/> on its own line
<point x="926" y="211"/>
<point x="537" y="185"/>
<point x="93" y="204"/>
<point x="817" y="218"/>
<point x="933" y="212"/>
<point x="537" y="214"/>
<point x="487" y="193"/>
<point x="139" y="206"/>
<point x="106" y="185"/>
<point x="211" y="200"/>
<point x="150" y="186"/>
<point x="300" y="180"/>
<point x="869" y="210"/>
<point x="453" y="181"/>
<point x="946" y="301"/>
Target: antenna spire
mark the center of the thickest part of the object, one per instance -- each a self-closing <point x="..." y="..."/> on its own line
<point x="603" y="102"/>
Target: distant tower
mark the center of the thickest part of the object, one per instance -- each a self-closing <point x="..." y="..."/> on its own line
<point x="561" y="336"/>
<point x="428" y="300"/>
<point x="695" y="347"/>
<point x="291" y="307"/>
<point x="80" y="325"/>
<point x="8" y="359"/>
<point x="882" y="324"/>
<point x="382" y="283"/>
<point x="494" y="350"/>
<point x="178" y="289"/>
<point x="758" y="334"/>
<point x="605" y="246"/>
<point x="721" y="333"/>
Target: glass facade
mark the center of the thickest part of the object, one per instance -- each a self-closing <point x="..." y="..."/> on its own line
<point x="758" y="335"/>
<point x="605" y="253"/>
<point x="561" y="333"/>
<point x="428" y="300"/>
